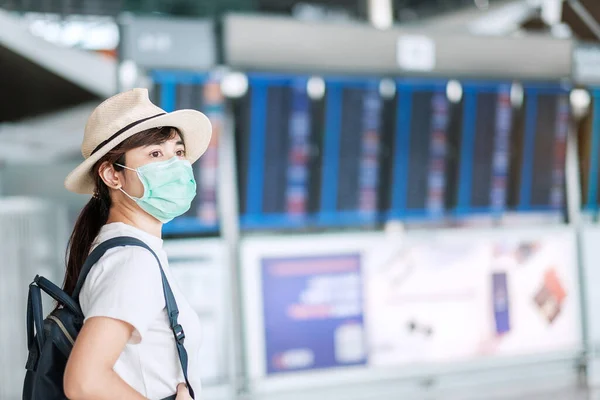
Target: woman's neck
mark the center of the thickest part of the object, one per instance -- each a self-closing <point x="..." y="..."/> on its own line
<point x="136" y="218"/>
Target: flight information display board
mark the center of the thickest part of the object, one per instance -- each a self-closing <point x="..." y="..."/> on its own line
<point x="589" y="148"/>
<point x="277" y="153"/>
<point x="547" y="117"/>
<point x="311" y="162"/>
<point x="419" y="176"/>
<point x="358" y="155"/>
<point x="352" y="152"/>
<point x="485" y="148"/>
<point x="174" y="90"/>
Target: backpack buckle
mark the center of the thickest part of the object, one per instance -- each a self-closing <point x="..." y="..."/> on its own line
<point x="179" y="333"/>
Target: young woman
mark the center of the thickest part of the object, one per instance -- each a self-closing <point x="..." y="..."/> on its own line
<point x="138" y="168"/>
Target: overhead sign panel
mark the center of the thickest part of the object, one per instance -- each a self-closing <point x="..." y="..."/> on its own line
<point x="259" y="42"/>
<point x="169" y="42"/>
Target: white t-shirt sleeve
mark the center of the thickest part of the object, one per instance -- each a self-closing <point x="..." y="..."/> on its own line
<point x="127" y="286"/>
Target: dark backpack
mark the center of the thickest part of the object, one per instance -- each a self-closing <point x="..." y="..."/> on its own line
<point x="51" y="340"/>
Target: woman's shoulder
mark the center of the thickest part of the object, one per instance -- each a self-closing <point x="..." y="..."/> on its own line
<point x="125" y="264"/>
<point x="115" y="230"/>
<point x="130" y="256"/>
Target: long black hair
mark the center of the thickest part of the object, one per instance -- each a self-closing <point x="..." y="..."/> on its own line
<point x="95" y="213"/>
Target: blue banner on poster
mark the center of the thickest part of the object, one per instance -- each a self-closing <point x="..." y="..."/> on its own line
<point x="313" y="313"/>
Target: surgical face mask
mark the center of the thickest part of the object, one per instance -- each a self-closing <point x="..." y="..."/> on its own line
<point x="169" y="188"/>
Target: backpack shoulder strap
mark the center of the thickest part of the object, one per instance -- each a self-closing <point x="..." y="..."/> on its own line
<point x="170" y="303"/>
<point x="96" y="255"/>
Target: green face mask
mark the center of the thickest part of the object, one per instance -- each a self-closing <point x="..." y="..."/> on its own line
<point x="169" y="188"/>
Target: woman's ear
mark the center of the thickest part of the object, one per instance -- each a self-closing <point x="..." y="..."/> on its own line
<point x="110" y="176"/>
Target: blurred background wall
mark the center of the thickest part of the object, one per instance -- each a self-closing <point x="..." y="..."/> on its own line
<point x="400" y="199"/>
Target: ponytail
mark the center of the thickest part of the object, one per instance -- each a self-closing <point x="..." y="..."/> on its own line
<point x="91" y="219"/>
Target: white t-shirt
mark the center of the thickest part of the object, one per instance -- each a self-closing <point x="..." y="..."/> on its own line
<point x="125" y="284"/>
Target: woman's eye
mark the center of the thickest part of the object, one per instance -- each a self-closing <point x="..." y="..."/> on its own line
<point x="180" y="153"/>
<point x="155" y="154"/>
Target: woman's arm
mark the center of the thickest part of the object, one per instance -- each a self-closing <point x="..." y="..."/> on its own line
<point x="89" y="374"/>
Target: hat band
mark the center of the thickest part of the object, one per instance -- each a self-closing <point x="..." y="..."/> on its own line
<point x="131" y="125"/>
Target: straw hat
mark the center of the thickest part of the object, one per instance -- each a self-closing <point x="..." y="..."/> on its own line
<point x="124" y="115"/>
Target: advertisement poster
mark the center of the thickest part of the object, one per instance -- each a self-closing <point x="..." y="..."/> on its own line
<point x="325" y="302"/>
<point x="450" y="300"/>
<point x="313" y="315"/>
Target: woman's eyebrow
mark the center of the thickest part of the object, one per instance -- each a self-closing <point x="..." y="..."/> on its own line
<point x="180" y="142"/>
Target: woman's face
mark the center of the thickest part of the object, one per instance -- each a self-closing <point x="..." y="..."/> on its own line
<point x="141" y="156"/>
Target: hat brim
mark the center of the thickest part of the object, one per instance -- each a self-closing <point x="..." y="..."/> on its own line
<point x="195" y="128"/>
